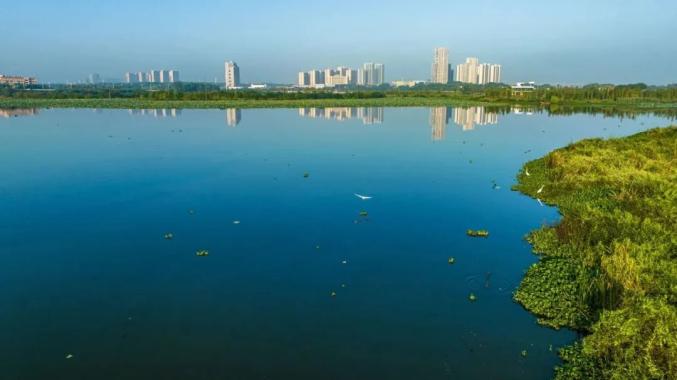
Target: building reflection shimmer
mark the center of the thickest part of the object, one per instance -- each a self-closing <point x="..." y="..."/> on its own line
<point x="368" y="115"/>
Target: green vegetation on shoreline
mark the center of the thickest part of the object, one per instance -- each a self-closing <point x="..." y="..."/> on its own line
<point x="619" y="108"/>
<point x="621" y="98"/>
<point x="609" y="267"/>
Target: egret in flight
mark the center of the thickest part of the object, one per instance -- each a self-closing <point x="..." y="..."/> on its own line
<point x="363" y="197"/>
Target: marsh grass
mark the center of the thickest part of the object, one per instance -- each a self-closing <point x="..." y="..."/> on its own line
<point x="609" y="268"/>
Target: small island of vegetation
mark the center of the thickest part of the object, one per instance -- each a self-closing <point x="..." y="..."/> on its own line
<point x="609" y="268"/>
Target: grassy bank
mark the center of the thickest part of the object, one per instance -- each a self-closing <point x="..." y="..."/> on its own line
<point x="609" y="267"/>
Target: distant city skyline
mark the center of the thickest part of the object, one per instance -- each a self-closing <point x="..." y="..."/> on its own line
<point x="610" y="41"/>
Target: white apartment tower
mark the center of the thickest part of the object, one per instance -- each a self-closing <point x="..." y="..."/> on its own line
<point x="440" y="67"/>
<point x="495" y="73"/>
<point x="232" y="77"/>
<point x="304" y="79"/>
<point x="174" y="76"/>
<point x="371" y="74"/>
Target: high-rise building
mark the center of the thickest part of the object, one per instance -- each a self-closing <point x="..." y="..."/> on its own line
<point x="478" y="73"/>
<point x="174" y="76"/>
<point x="140" y="77"/>
<point x="495" y="73"/>
<point x="154" y="76"/>
<point x="304" y="79"/>
<point x="232" y="77"/>
<point x="441" y="67"/>
<point x="483" y="72"/>
<point x="94" y="78"/>
<point x="468" y="72"/>
<point x="130" y="78"/>
<point x="371" y="74"/>
<point x="316" y="78"/>
<point x="378" y="76"/>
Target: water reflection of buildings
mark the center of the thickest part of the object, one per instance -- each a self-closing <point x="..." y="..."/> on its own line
<point x="522" y="111"/>
<point x="439" y="118"/>
<point x="16" y="112"/>
<point x="369" y="115"/>
<point x="467" y="118"/>
<point x="233" y="116"/>
<point x="160" y="112"/>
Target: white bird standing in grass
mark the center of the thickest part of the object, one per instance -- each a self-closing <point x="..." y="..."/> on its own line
<point x="540" y="189"/>
<point x="526" y="171"/>
<point x="363" y="197"/>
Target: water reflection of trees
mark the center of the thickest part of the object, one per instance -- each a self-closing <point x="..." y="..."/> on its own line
<point x="621" y="112"/>
<point x="368" y="115"/>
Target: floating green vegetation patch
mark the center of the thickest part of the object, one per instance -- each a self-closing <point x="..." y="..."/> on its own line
<point x="609" y="267"/>
<point x="477" y="233"/>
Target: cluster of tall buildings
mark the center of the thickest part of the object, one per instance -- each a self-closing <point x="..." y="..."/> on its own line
<point x="472" y="71"/>
<point x="371" y="74"/>
<point x="478" y="73"/>
<point x="153" y="76"/>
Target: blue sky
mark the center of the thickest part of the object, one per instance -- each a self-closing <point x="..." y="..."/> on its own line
<point x="570" y="41"/>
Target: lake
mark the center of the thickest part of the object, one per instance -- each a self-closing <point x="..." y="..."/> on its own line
<point x="298" y="283"/>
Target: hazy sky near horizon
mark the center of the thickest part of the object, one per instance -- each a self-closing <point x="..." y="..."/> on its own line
<point x="573" y="42"/>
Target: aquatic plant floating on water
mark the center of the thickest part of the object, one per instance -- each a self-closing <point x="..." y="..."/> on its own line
<point x="333" y="294"/>
<point x="364" y="213"/>
<point x="472" y="297"/>
<point x="524" y="353"/>
<point x="451" y="260"/>
<point x="69" y="356"/>
<point x="168" y="236"/>
<point x="236" y="222"/>
<point x="202" y="252"/>
<point x="477" y="233"/>
<point x="306" y="175"/>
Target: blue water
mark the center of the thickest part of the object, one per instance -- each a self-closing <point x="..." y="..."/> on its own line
<point x="86" y="197"/>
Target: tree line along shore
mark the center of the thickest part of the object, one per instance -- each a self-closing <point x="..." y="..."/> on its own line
<point x="201" y="95"/>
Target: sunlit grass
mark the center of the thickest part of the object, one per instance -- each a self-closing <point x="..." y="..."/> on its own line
<point x="609" y="268"/>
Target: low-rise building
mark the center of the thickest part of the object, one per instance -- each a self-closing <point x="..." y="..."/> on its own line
<point x="17" y="80"/>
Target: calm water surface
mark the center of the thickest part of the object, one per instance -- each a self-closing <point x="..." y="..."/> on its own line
<point x="86" y="197"/>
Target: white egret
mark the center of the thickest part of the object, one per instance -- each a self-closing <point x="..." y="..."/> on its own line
<point x="363" y="197"/>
